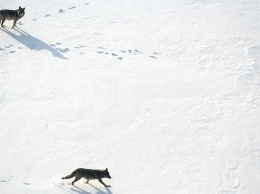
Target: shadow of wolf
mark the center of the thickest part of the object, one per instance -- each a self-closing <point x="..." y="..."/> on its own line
<point x="32" y="42"/>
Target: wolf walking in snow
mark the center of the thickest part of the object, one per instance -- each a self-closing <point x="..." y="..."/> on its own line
<point x="15" y="15"/>
<point x="89" y="174"/>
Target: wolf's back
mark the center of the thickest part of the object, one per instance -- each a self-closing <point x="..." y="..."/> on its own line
<point x="8" y="14"/>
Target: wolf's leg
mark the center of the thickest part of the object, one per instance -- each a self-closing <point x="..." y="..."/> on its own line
<point x="76" y="178"/>
<point x="14" y="23"/>
<point x="3" y="20"/>
<point x="100" y="180"/>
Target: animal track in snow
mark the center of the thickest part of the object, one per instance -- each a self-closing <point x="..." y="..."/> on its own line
<point x="72" y="7"/>
<point x="33" y="47"/>
<point x="9" y="46"/>
<point x="154" y="57"/>
<point x="128" y="52"/>
<point x="4" y="180"/>
<point x="155" y="54"/>
<point x="107" y="53"/>
<point x="134" y="52"/>
<point x="230" y="176"/>
<point x="20" y="23"/>
<point x="9" y="49"/>
<point x="61" y="11"/>
<point x="63" y="50"/>
<point x="78" y="47"/>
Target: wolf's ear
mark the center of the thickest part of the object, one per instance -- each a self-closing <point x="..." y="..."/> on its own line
<point x="23" y="8"/>
<point x="106" y="169"/>
<point x="20" y="7"/>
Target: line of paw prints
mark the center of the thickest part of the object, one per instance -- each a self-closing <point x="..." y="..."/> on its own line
<point x="9" y="49"/>
<point x="61" y="11"/>
<point x="80" y="47"/>
<point x="4" y="180"/>
<point x="12" y="49"/>
<point x="57" y="47"/>
<point x="155" y="55"/>
<point x="102" y="50"/>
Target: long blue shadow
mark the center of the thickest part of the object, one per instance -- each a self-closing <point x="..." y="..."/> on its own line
<point x="32" y="42"/>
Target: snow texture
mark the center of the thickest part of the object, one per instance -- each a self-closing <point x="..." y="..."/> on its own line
<point x="163" y="93"/>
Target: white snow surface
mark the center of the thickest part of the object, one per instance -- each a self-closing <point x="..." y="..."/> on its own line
<point x="163" y="93"/>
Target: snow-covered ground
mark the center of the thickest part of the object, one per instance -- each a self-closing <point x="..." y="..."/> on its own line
<point x="163" y="93"/>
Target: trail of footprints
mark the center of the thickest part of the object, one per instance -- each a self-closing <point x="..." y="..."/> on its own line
<point x="9" y="49"/>
<point x="4" y="180"/>
<point x="57" y="46"/>
<point x="60" y="11"/>
<point x="123" y="53"/>
<point x="120" y="55"/>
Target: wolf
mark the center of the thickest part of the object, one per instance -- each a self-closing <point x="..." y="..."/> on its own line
<point x="89" y="174"/>
<point x="6" y="14"/>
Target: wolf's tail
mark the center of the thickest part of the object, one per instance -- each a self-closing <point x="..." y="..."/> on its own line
<point x="70" y="176"/>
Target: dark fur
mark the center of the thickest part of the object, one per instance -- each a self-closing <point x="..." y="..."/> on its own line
<point x="15" y="15"/>
<point x="89" y="174"/>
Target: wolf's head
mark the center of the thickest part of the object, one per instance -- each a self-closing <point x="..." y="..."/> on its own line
<point x="107" y="175"/>
<point x="21" y="11"/>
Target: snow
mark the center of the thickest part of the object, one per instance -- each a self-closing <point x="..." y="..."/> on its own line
<point x="165" y="94"/>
